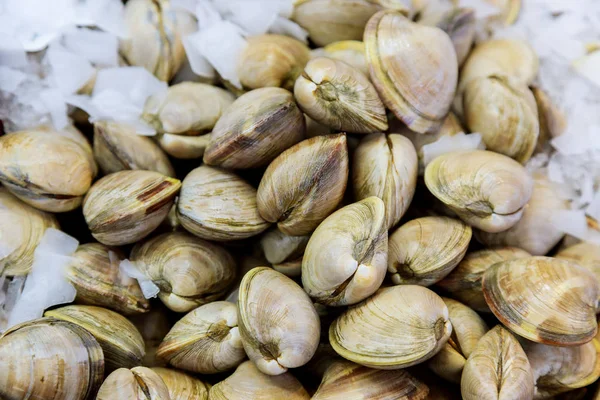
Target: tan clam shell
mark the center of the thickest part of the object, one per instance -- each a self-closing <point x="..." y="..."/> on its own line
<point x="459" y="24"/>
<point x="464" y="281"/>
<point x="139" y="383"/>
<point x="188" y="270"/>
<point x="450" y="127"/>
<point x="55" y="182"/>
<point x="544" y="299"/>
<point x="206" y="340"/>
<point x="344" y="380"/>
<point x="304" y="184"/>
<point x="121" y="342"/>
<point x="425" y="250"/>
<point x="21" y="229"/>
<point x="155" y="36"/>
<point x="216" y="204"/>
<point x="561" y="369"/>
<point x="346" y="257"/>
<point x="278" y="323"/>
<point x="413" y="67"/>
<point x="255" y="129"/>
<point x="284" y="252"/>
<point x="34" y="352"/>
<point x="126" y="206"/>
<point x="182" y="386"/>
<point x="367" y="333"/>
<point x="467" y="329"/>
<point x="248" y="383"/>
<point x="339" y="96"/>
<point x="351" y="52"/>
<point x="552" y="120"/>
<point x="585" y="254"/>
<point x="486" y="190"/>
<point x="272" y="61"/>
<point x="504" y="112"/>
<point x="96" y="276"/>
<point x="184" y="147"/>
<point x="118" y="147"/>
<point x="535" y="232"/>
<point x="497" y="369"/>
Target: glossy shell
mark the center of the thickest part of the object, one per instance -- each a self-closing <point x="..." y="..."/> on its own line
<point x="139" y="383"/>
<point x="585" y="254"/>
<point x="182" y="386"/>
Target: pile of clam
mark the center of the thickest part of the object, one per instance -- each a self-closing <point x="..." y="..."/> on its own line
<point x="301" y="245"/>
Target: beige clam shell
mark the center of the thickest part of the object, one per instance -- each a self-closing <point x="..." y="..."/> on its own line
<point x="184" y="147"/>
<point x="351" y="52"/>
<point x="284" y="252"/>
<point x="182" y="386"/>
<point x="585" y="254"/>
<point x="367" y="333"/>
<point x="139" y="383"/>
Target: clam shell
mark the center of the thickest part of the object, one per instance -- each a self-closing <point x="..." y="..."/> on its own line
<point x="139" y="383"/>
<point x="184" y="147"/>
<point x="182" y="386"/>
<point x="351" y="52"/>
<point x="585" y="254"/>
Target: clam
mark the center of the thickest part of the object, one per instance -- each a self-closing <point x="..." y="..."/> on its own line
<point x="561" y="369"/>
<point x="367" y="333"/>
<point x="206" y="340"/>
<point x="216" y="204"/>
<point x="339" y="96"/>
<point x="544" y="299"/>
<point x="118" y="147"/>
<point x="184" y="147"/>
<point x="467" y="329"/>
<point x="425" y="250"/>
<point x="585" y="254"/>
<point x="21" y="229"/>
<point x="121" y="342"/>
<point x="459" y="24"/>
<point x="55" y="182"/>
<point x="49" y="359"/>
<point x="182" y="386"/>
<point x="413" y="67"/>
<point x="346" y="257"/>
<point x="284" y="252"/>
<point x="95" y="274"/>
<point x="155" y="36"/>
<point x="552" y="121"/>
<point x="344" y="380"/>
<point x="329" y="21"/>
<point x="139" y="383"/>
<point x="304" y="184"/>
<point x="126" y="206"/>
<point x="188" y="270"/>
<point x="464" y="281"/>
<point x="504" y="113"/>
<point x="277" y="321"/>
<point x="272" y="61"/>
<point x="535" y="232"/>
<point x="255" y="129"/>
<point x="351" y="52"/>
<point x="248" y="383"/>
<point x="450" y="127"/>
<point x="486" y="190"/>
<point x="497" y="369"/>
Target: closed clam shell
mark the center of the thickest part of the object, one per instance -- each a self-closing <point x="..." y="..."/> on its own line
<point x="188" y="270"/>
<point x="122" y="344"/>
<point x="339" y="96"/>
<point x="497" y="369"/>
<point x="304" y="184"/>
<point x="181" y="385"/>
<point x="155" y="36"/>
<point x="95" y="274"/>
<point x="284" y="252"/>
<point x="464" y="281"/>
<point x="351" y="52"/>
<point x="118" y="147"/>
<point x="486" y="190"/>
<point x="425" y="250"/>
<point x="272" y="61"/>
<point x="206" y="340"/>
<point x="278" y="323"/>
<point x="413" y="67"/>
<point x="188" y="108"/>
<point x="248" y="383"/>
<point x="459" y="24"/>
<point x="585" y="254"/>
<point x="184" y="147"/>
<point x="344" y="380"/>
<point x="55" y="182"/>
<point x="535" y="232"/>
<point x="255" y="129"/>
<point x="367" y="333"/>
<point x="504" y="112"/>
<point x="346" y="257"/>
<point x="216" y="204"/>
<point x="544" y="299"/>
<point x="139" y="383"/>
<point x="49" y="359"/>
<point x="126" y="206"/>
<point x="561" y="369"/>
<point x="467" y="329"/>
<point x="21" y="229"/>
